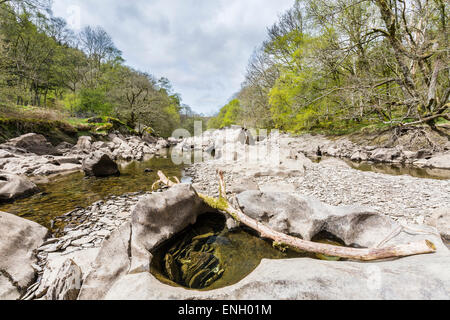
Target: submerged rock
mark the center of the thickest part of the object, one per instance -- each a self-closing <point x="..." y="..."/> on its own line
<point x="99" y="164"/>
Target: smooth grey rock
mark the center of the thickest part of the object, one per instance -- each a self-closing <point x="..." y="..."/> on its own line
<point x="112" y="262"/>
<point x="64" y="146"/>
<point x="49" y="169"/>
<point x="99" y="164"/>
<point x="14" y="187"/>
<point x="67" y="159"/>
<point x="67" y="284"/>
<point x="385" y="154"/>
<point x="440" y="219"/>
<point x="121" y="269"/>
<point x="359" y="156"/>
<point x="34" y="143"/>
<point x="19" y="240"/>
<point x="54" y="263"/>
<point x="439" y="161"/>
<point x="153" y="222"/>
<point x="84" y="143"/>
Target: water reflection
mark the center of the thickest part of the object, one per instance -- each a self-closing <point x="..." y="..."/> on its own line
<point x="395" y="169"/>
<point x="66" y="193"/>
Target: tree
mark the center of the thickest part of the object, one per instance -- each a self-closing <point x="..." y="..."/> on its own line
<point x="228" y="115"/>
<point x="333" y="64"/>
<point x="98" y="46"/>
<point x="36" y="4"/>
<point x="43" y="64"/>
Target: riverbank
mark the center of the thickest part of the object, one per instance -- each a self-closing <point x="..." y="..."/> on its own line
<point x="403" y="198"/>
<point x="81" y="243"/>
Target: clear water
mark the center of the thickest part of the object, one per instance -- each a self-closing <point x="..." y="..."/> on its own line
<point x="395" y="169"/>
<point x="69" y="192"/>
<point x="239" y="251"/>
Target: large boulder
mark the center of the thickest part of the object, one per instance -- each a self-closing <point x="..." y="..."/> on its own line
<point x="34" y="143"/>
<point x="14" y="187"/>
<point x="121" y="270"/>
<point x="441" y="161"/>
<point x="84" y="144"/>
<point x="155" y="219"/>
<point x="385" y="155"/>
<point x="18" y="242"/>
<point x="99" y="164"/>
<point x="307" y="217"/>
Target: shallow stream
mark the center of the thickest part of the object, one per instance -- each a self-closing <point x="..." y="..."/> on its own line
<point x="205" y="256"/>
<point x="66" y="193"/>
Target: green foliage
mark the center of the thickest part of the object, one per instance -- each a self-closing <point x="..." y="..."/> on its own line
<point x="45" y="64"/>
<point x="228" y="115"/>
<point x="54" y="131"/>
<point x="335" y="66"/>
<point x="93" y="101"/>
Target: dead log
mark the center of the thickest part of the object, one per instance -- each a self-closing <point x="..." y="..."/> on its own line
<point x="284" y="241"/>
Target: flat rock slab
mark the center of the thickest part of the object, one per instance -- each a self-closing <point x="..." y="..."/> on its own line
<point x="308" y="279"/>
<point x="34" y="143"/>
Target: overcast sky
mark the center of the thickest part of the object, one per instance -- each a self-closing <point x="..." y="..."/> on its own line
<point x="201" y="46"/>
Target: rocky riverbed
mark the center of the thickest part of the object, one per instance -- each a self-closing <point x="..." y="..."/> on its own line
<point x="83" y="235"/>
<point x="403" y="198"/>
<point x="33" y="155"/>
<point x="102" y="251"/>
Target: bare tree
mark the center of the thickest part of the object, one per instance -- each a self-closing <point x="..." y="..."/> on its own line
<point x="98" y="45"/>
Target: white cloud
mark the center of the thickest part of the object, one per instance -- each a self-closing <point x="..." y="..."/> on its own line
<point x="202" y="46"/>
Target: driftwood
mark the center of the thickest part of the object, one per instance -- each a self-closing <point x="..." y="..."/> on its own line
<point x="283" y="241"/>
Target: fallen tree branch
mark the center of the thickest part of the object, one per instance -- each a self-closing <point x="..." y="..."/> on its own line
<point x="165" y="181"/>
<point x="284" y="241"/>
<point x="427" y="119"/>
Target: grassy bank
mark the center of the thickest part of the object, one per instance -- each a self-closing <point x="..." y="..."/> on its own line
<point x="55" y="125"/>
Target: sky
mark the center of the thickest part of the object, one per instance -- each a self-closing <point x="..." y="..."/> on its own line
<point x="201" y="46"/>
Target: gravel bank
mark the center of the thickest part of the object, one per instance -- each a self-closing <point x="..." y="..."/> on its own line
<point x="404" y="198"/>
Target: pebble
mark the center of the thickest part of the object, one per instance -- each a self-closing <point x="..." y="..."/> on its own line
<point x="403" y="198"/>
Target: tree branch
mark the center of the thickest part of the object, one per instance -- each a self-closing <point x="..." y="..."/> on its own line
<point x="282" y="240"/>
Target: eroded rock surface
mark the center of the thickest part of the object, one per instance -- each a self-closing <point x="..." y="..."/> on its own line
<point x="121" y="269"/>
<point x="19" y="240"/>
<point x="14" y="187"/>
<point x="440" y="219"/>
<point x="33" y="155"/>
